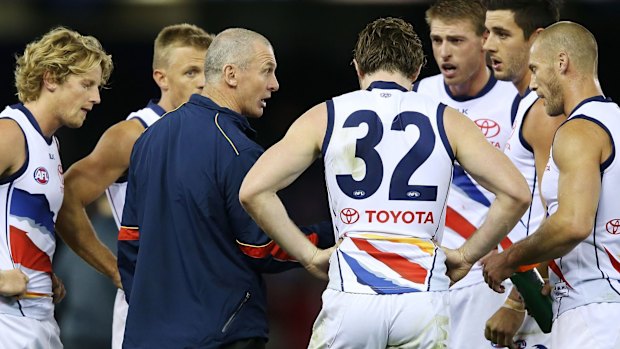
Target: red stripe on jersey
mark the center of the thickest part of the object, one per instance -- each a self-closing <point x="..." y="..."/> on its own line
<point x="614" y="262"/>
<point x="26" y="253"/>
<point x="272" y="249"/>
<point x="464" y="228"/>
<point x="128" y="234"/>
<point x="459" y="224"/>
<point x="554" y="268"/>
<point x="406" y="268"/>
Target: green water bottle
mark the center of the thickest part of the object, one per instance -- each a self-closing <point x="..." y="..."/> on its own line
<point x="529" y="284"/>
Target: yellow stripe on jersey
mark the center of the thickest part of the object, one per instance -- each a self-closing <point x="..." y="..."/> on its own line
<point x="225" y="136"/>
<point x="425" y="245"/>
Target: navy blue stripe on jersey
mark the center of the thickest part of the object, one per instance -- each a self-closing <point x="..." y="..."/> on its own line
<point x="32" y="120"/>
<point x="524" y="143"/>
<point x="34" y="207"/>
<point x="487" y="87"/>
<point x="611" y="157"/>
<point x="386" y="85"/>
<point x="378" y="284"/>
<point x="416" y="85"/>
<point x="533" y="189"/>
<point x="140" y="120"/>
<point x="442" y="131"/>
<point x="514" y="108"/>
<point x="599" y="98"/>
<point x="330" y="126"/>
<point x="462" y="180"/>
<point x="23" y="168"/>
<point x="155" y="107"/>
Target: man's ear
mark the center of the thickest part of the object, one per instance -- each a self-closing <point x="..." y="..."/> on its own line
<point x="562" y="62"/>
<point x="360" y="73"/>
<point x="230" y="72"/>
<point x="161" y="78"/>
<point x="417" y="73"/>
<point x="534" y="35"/>
<point x="49" y="81"/>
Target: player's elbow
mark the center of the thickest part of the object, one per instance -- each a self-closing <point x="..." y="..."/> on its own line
<point x="519" y="195"/>
<point x="574" y="227"/>
<point x="248" y="194"/>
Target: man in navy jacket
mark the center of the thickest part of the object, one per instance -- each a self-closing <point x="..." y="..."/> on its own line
<point x="192" y="261"/>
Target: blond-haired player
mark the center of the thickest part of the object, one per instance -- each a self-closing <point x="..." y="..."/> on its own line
<point x="58" y="78"/>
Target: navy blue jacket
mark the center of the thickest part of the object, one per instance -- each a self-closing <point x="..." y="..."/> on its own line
<point x="197" y="280"/>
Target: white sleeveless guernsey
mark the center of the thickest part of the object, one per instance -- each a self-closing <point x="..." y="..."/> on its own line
<point x="388" y="167"/>
<point x="590" y="273"/>
<point x="29" y="204"/>
<point x="468" y="202"/>
<point x="117" y="191"/>
<point x="522" y="156"/>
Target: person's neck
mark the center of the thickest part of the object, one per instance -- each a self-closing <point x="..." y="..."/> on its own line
<point x="386" y="76"/>
<point x="165" y="104"/>
<point x="576" y="91"/>
<point x="44" y="116"/>
<point x="220" y="98"/>
<point x="523" y="82"/>
<point x="474" y="85"/>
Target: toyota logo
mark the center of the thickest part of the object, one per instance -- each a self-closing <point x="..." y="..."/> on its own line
<point x="613" y="226"/>
<point x="489" y="127"/>
<point x="349" y="215"/>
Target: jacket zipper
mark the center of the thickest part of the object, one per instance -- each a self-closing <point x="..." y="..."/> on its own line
<point x="237" y="310"/>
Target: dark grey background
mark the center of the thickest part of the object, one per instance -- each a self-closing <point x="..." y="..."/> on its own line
<point x="313" y="42"/>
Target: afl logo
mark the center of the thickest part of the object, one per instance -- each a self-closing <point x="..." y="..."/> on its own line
<point x="41" y="175"/>
<point x="349" y="215"/>
<point x="488" y="127"/>
<point x="613" y="226"/>
<point x="359" y="193"/>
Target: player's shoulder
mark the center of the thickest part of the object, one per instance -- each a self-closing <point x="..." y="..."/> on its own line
<point x="11" y="132"/>
<point x="125" y="131"/>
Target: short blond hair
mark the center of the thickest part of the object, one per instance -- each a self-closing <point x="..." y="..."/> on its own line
<point x="178" y="35"/>
<point x="473" y="11"/>
<point x="61" y="52"/>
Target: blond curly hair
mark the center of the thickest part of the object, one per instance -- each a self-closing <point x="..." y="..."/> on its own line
<point x="61" y="52"/>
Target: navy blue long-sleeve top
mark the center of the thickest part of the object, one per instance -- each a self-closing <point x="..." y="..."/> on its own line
<point x="196" y="279"/>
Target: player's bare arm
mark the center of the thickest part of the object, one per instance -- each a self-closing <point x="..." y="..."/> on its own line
<point x="85" y="181"/>
<point x="12" y="156"/>
<point x="579" y="149"/>
<point x="12" y="148"/>
<point x="277" y="168"/>
<point x="494" y="171"/>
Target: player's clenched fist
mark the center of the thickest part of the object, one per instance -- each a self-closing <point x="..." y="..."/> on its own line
<point x="13" y="282"/>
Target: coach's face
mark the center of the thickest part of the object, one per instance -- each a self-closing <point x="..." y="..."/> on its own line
<point x="257" y="81"/>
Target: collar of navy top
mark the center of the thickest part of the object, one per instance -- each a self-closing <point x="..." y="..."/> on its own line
<point x="232" y="115"/>
<point x="386" y="85"/>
